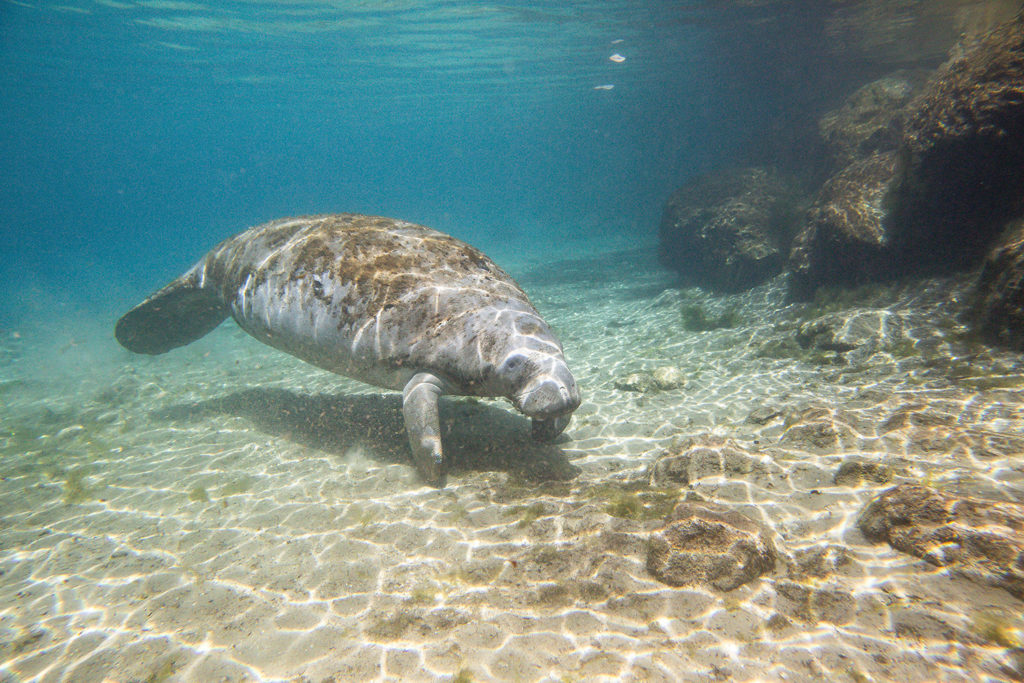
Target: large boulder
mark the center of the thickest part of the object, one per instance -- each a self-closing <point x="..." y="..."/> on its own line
<point x="961" y="158"/>
<point x="979" y="539"/>
<point x="728" y="231"/>
<point x="845" y="239"/>
<point x="999" y="308"/>
<point x="868" y="120"/>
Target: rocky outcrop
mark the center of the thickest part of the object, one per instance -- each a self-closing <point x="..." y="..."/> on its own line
<point x="845" y="239"/>
<point x="728" y="231"/>
<point x="981" y="540"/>
<point x="941" y="178"/>
<point x="999" y="307"/>
<point x="961" y="156"/>
<point x="867" y="121"/>
<point x="705" y="543"/>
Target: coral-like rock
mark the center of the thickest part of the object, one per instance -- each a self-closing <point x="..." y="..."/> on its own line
<point x="979" y="539"/>
<point x="704" y="543"/>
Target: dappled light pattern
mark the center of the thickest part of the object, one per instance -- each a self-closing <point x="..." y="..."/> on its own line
<point x="227" y="512"/>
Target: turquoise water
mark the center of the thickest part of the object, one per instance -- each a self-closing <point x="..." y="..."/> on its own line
<point x="136" y="134"/>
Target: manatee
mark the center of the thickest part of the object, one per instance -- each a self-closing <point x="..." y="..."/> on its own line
<point x="390" y="303"/>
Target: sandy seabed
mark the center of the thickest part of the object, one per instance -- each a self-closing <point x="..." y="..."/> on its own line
<point x="226" y="513"/>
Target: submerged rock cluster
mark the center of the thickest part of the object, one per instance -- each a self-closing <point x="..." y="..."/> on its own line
<point x="926" y="177"/>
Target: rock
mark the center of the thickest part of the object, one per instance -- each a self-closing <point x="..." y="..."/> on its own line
<point x="961" y="156"/>
<point x="660" y="379"/>
<point x="854" y="472"/>
<point x="763" y="415"/>
<point x="819" y="562"/>
<point x="814" y="605"/>
<point x="727" y="231"/>
<point x="638" y="381"/>
<point x="844" y="241"/>
<point x="709" y="457"/>
<point x="815" y="430"/>
<point x="705" y="543"/>
<point x="122" y="390"/>
<point x="982" y="540"/>
<point x="867" y="121"/>
<point x="862" y="330"/>
<point x="668" y="377"/>
<point x="999" y="307"/>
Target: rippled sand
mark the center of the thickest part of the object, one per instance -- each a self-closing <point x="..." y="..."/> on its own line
<point x="225" y="512"/>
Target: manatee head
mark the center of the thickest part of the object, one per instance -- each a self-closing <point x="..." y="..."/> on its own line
<point x="531" y="371"/>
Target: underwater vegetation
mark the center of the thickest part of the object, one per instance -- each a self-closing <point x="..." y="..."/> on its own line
<point x="76" y="490"/>
<point x="635" y="500"/>
<point x="198" y="493"/>
<point x="527" y="514"/>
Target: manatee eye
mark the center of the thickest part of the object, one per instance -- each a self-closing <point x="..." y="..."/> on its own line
<point x="513" y="366"/>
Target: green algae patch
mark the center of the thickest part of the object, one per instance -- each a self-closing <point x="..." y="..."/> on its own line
<point x="528" y="514"/>
<point x="633" y="500"/>
<point x="76" y="489"/>
<point x="199" y="494"/>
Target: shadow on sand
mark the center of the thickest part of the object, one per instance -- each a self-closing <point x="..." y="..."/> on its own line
<point x="477" y="436"/>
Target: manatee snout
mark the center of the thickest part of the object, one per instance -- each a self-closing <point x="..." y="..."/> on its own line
<point x="549" y="399"/>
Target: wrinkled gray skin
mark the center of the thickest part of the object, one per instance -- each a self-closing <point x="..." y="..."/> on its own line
<point x="386" y="302"/>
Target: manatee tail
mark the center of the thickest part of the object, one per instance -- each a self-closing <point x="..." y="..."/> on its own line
<point x="178" y="314"/>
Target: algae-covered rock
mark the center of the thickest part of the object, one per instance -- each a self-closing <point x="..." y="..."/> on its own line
<point x="982" y="540"/>
<point x="867" y="121"/>
<point x="864" y="331"/>
<point x="845" y="238"/>
<point x="855" y="471"/>
<point x="705" y="543"/>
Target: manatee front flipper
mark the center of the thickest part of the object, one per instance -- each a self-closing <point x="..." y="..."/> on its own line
<point x="548" y="430"/>
<point x="178" y="314"/>
<point x="419" y="406"/>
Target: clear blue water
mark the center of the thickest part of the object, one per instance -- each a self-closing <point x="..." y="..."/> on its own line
<point x="134" y="135"/>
